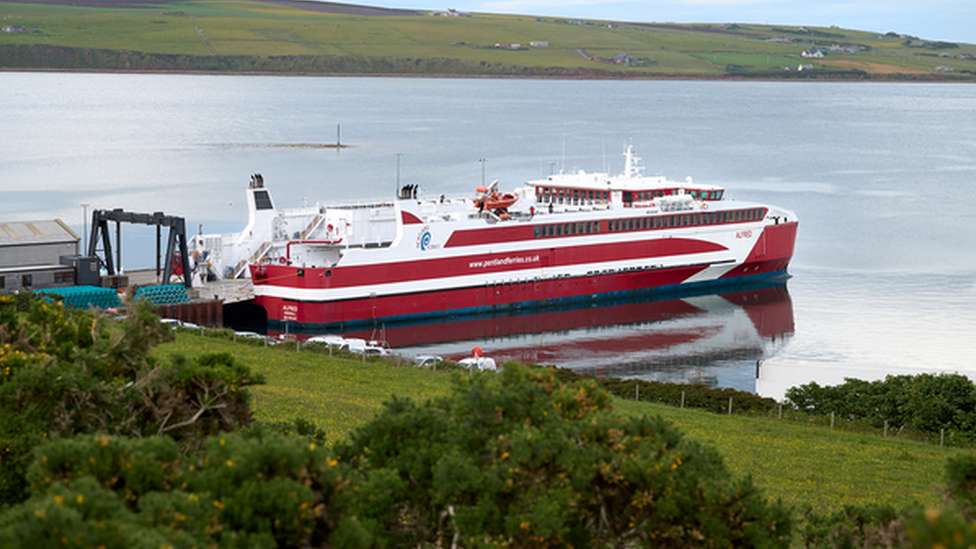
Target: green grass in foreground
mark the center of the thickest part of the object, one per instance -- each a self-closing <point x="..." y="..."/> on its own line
<point x="797" y="463"/>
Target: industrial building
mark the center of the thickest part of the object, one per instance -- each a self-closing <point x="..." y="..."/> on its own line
<point x="40" y="254"/>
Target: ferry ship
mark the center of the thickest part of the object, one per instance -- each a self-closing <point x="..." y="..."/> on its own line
<point x="568" y="237"/>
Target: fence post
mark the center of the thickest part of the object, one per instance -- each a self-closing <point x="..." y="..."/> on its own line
<point x="942" y="437"/>
<point x="298" y="346"/>
<point x="637" y="391"/>
<point x="781" y="410"/>
<point x="730" y="406"/>
<point x="886" y="429"/>
<point x="682" y="399"/>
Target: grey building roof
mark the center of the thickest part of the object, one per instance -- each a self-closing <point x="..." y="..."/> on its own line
<point x="30" y="233"/>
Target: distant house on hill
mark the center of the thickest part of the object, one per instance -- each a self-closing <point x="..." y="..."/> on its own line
<point x="13" y="28"/>
<point x="539" y="44"/>
<point x="451" y="12"/>
<point x="813" y="52"/>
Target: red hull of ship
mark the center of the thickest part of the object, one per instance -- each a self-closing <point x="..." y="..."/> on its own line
<point x="769" y="257"/>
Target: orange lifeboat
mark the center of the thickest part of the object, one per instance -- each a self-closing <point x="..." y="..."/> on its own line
<point x="495" y="201"/>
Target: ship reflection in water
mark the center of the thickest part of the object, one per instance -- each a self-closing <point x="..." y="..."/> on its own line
<point x="715" y="339"/>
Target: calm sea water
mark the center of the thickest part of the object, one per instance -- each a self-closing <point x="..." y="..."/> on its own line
<point x="882" y="177"/>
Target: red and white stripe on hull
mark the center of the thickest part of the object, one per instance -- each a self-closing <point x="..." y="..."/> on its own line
<point x="292" y="299"/>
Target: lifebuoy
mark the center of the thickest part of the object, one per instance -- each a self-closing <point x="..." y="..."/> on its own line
<point x="282" y="260"/>
<point x="476" y="352"/>
<point x="704" y="206"/>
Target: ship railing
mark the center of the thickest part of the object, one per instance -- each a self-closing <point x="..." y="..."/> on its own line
<point x="364" y="205"/>
<point x="242" y="264"/>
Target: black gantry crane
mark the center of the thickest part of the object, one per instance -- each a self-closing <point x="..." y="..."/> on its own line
<point x="175" y="259"/>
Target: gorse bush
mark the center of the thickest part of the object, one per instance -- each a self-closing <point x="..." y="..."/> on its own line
<point x="521" y="459"/>
<point x="257" y="490"/>
<point x="67" y="372"/>
<point x="516" y="460"/>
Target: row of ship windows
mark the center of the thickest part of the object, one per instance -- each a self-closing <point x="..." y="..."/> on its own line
<point x="555" y="195"/>
<point x="566" y="196"/>
<point x="648" y="222"/>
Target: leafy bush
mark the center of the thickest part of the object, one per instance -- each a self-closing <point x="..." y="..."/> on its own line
<point x="926" y="403"/>
<point x="67" y="372"/>
<point x="259" y="490"/>
<point x="855" y="526"/>
<point x="520" y="459"/>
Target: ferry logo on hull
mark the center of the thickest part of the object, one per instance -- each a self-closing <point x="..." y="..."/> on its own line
<point x="423" y="239"/>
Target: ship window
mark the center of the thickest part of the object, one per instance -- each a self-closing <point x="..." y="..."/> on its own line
<point x="538" y="231"/>
<point x="575" y="197"/>
<point x="301" y="273"/>
<point x="559" y="230"/>
<point x="262" y="200"/>
<point x="328" y="273"/>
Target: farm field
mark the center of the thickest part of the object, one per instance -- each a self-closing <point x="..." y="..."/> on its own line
<point x="281" y="36"/>
<point x="798" y="463"/>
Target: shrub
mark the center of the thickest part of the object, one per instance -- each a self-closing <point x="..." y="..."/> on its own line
<point x="519" y="458"/>
<point x="67" y="372"/>
<point x="926" y="403"/>
<point x="260" y="490"/>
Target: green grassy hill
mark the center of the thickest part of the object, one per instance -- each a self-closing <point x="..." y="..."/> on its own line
<point x="287" y="37"/>
<point x="789" y="459"/>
